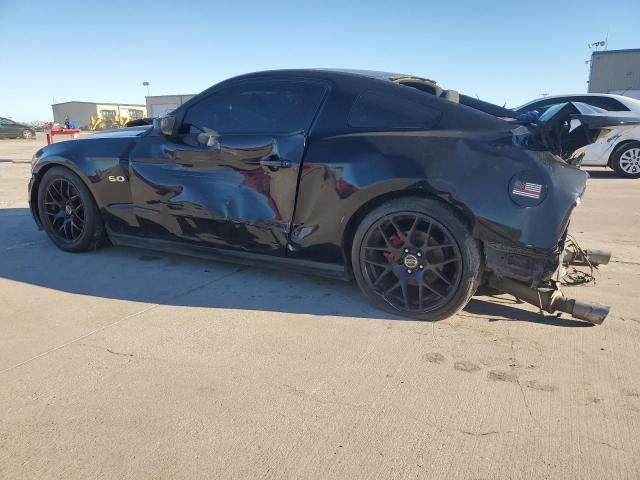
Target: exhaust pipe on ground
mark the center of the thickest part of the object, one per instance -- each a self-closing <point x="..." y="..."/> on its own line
<point x="551" y="300"/>
<point x="594" y="257"/>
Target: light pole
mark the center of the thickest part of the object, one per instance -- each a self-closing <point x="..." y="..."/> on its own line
<point x="146" y="84"/>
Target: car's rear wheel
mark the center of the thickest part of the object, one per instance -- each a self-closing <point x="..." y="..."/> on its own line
<point x="415" y="257"/>
<point x="626" y="160"/>
<point x="68" y="211"/>
<point x="27" y="134"/>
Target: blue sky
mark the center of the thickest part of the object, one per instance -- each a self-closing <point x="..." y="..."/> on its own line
<point x="103" y="50"/>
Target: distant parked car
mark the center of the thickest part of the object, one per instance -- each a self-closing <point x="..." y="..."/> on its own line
<point x="11" y="129"/>
<point x="617" y="147"/>
<point x="39" y="125"/>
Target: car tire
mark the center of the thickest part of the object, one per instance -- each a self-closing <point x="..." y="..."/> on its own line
<point x="626" y="160"/>
<point x="416" y="257"/>
<point x="68" y="212"/>
<point x="27" y="134"/>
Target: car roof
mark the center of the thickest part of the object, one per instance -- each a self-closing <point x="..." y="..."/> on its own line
<point x="330" y="73"/>
<point x="338" y="75"/>
<point x="629" y="102"/>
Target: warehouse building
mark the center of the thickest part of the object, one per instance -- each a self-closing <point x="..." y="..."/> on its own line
<point x="615" y="71"/>
<point x="159" y="105"/>
<point x="97" y="116"/>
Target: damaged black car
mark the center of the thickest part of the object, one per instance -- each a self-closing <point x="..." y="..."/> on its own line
<point x="420" y="193"/>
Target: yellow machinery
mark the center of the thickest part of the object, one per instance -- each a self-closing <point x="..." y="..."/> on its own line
<point x="109" y="118"/>
<point x="106" y="120"/>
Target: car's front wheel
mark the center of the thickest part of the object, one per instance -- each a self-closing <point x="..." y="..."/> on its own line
<point x="626" y="160"/>
<point x="27" y="134"/>
<point x="415" y="257"/>
<point x="68" y="211"/>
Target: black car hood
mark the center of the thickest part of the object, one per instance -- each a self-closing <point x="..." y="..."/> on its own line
<point x="122" y="132"/>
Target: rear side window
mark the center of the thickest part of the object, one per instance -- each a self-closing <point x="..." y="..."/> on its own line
<point x="606" y="103"/>
<point x="389" y="110"/>
<point x="258" y="107"/>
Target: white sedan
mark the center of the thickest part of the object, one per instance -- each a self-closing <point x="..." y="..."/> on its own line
<point x="617" y="147"/>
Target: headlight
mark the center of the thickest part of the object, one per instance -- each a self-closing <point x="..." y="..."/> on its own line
<point x="35" y="158"/>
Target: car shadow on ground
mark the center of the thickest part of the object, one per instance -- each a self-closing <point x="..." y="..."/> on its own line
<point x="157" y="278"/>
<point x="604" y="173"/>
<point x="495" y="308"/>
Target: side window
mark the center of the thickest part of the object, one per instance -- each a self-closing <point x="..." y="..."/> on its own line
<point x="606" y="103"/>
<point x="6" y="122"/>
<point x="257" y="107"/>
<point x="390" y="110"/>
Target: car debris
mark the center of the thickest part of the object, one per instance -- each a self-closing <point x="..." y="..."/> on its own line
<point x="551" y="299"/>
<point x="617" y="146"/>
<point x="586" y="257"/>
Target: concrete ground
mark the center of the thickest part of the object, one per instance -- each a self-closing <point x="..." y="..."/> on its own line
<point x="130" y="364"/>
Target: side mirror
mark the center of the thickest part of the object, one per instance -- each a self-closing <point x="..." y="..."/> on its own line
<point x="167" y="124"/>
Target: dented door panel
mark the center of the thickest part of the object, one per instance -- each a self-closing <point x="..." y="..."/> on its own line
<point x="228" y="196"/>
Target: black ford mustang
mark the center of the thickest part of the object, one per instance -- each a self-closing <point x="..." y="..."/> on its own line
<point x="420" y="193"/>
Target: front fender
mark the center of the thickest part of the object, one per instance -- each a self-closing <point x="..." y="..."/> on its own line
<point x="93" y="161"/>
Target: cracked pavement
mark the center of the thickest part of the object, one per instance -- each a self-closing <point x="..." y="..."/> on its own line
<point x="124" y="363"/>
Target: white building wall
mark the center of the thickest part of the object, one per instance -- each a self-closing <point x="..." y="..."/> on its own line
<point x="615" y="71"/>
<point x="159" y="105"/>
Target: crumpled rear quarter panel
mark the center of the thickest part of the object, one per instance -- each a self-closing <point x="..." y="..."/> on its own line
<point x="469" y="170"/>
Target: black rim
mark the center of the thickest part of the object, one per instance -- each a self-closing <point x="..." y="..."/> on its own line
<point x="64" y="209"/>
<point x="411" y="261"/>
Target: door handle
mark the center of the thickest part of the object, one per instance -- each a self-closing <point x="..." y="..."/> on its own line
<point x="275" y="162"/>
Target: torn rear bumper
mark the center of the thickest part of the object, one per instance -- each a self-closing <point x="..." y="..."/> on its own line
<point x="526" y="265"/>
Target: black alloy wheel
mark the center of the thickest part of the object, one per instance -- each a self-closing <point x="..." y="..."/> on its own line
<point x="412" y="262"/>
<point x="64" y="209"/>
<point x="68" y="212"/>
<point x="415" y="257"/>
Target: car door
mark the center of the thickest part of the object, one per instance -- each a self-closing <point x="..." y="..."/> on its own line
<point x="228" y="179"/>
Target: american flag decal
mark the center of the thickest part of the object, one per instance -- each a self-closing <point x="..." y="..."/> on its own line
<point x="526" y="189"/>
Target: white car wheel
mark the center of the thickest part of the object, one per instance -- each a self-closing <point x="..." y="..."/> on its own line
<point x="626" y="161"/>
